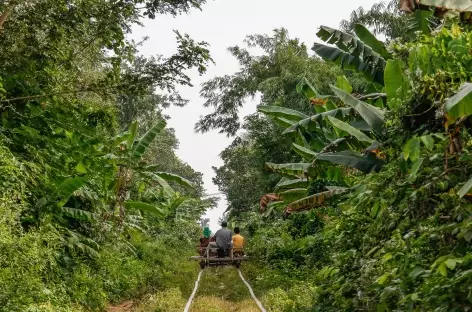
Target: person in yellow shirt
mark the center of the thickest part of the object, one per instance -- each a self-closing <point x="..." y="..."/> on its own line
<point x="238" y="241"/>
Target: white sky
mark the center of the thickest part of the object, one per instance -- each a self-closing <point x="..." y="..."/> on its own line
<point x="225" y="23"/>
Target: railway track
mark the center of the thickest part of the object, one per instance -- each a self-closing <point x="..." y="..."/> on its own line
<point x="197" y="283"/>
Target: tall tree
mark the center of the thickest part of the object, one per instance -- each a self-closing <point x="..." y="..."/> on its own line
<point x="384" y="18"/>
<point x="274" y="75"/>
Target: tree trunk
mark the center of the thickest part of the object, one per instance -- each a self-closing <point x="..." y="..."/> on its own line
<point x="6" y="13"/>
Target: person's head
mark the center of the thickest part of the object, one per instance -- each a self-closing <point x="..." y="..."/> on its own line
<point x="206" y="232"/>
<point x="224" y="224"/>
<point x="236" y="230"/>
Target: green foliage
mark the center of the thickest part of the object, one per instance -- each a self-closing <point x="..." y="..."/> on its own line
<point x="459" y="104"/>
<point x="284" y="63"/>
<point x="290" y="169"/>
<point x="372" y="115"/>
<point x="350" y="130"/>
<point x="351" y="53"/>
<point x="399" y="240"/>
<point x="144" y="207"/>
<point x="383" y="18"/>
<point x="369" y="39"/>
<point x="395" y="84"/>
<point x="304" y="152"/>
<point x="73" y="236"/>
<point x="364" y="163"/>
<point x="143" y="143"/>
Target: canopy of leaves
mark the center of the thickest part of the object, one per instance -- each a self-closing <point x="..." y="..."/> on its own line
<point x="82" y="224"/>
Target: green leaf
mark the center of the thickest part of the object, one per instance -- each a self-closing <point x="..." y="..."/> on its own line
<point x="315" y="200"/>
<point x="350" y="130"/>
<point x="468" y="236"/>
<point x="132" y="132"/>
<point x="415" y="168"/>
<point x="350" y="53"/>
<point x="313" y="120"/>
<point x="428" y="141"/>
<point x="144" y="207"/>
<point x="143" y="143"/>
<point x="283" y="112"/>
<point x="80" y="214"/>
<point x="387" y="257"/>
<point x="372" y="115"/>
<point x="285" y="183"/>
<point x="375" y="210"/>
<point x="372" y="251"/>
<point x="175" y="178"/>
<point x="290" y="169"/>
<point x="343" y="84"/>
<point x="394" y="82"/>
<point x="361" y="124"/>
<point x="383" y="279"/>
<point x="304" y="152"/>
<point x="336" y="188"/>
<point x="68" y="187"/>
<point x="421" y="21"/>
<point x="373" y="72"/>
<point x="293" y="194"/>
<point x="412" y="149"/>
<point x="451" y="264"/>
<point x="369" y="39"/>
<point x="284" y="122"/>
<point x="306" y="88"/>
<point x="80" y="168"/>
<point x="120" y="138"/>
<point x="465" y="189"/>
<point x="417" y="272"/>
<point x="163" y="183"/>
<point x="167" y="176"/>
<point x="177" y="202"/>
<point x="442" y="269"/>
<point x="366" y="164"/>
<point x="460" y="104"/>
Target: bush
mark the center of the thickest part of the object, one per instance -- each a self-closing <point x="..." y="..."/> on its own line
<point x="26" y="258"/>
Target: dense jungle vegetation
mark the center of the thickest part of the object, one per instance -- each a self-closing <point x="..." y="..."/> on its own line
<point x="352" y="183"/>
<point x="95" y="206"/>
<point x="363" y="154"/>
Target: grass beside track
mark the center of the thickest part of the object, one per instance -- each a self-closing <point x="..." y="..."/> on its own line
<point x="222" y="290"/>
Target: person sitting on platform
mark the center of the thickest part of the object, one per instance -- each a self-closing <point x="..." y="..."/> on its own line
<point x="223" y="238"/>
<point x="205" y="240"/>
<point x="238" y="242"/>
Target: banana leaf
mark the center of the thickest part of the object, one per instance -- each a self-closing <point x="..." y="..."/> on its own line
<point x="144" y="207"/>
<point x="350" y="130"/>
<point x="313" y="201"/>
<point x="281" y="112"/>
<point x="285" y="183"/>
<point x="290" y="169"/>
<point x="304" y="152"/>
<point x="366" y="164"/>
<point x="371" y="114"/>
<point x="142" y="145"/>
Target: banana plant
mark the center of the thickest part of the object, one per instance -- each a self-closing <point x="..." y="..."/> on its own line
<point x="131" y="151"/>
<point x="336" y="135"/>
<point x="352" y="53"/>
<point x="313" y="201"/>
<point x="123" y="167"/>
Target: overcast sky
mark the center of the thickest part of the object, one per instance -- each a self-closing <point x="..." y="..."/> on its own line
<point x="225" y="23"/>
